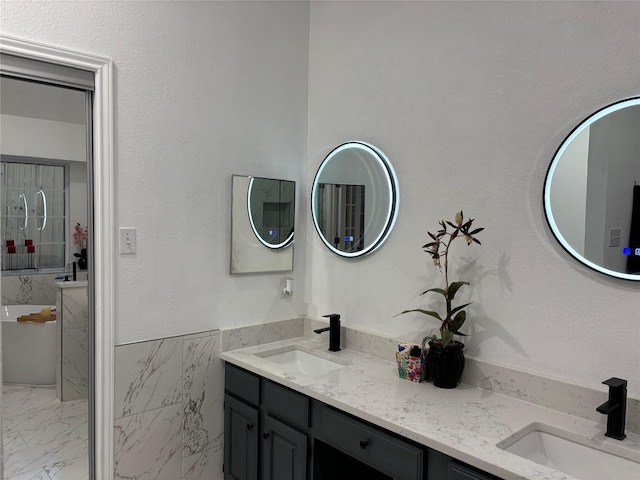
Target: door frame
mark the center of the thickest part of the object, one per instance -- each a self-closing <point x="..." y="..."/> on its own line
<point x="103" y="236"/>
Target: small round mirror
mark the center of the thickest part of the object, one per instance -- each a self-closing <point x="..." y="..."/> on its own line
<point x="354" y="199"/>
<point x="592" y="191"/>
<point x="271" y="208"/>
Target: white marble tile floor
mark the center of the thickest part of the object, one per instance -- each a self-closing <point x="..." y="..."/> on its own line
<point x="44" y="439"/>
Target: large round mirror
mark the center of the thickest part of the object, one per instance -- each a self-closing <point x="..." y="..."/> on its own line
<point x="354" y="199"/>
<point x="592" y="191"/>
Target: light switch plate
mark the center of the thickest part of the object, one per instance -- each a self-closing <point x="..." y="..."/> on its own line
<point x="127" y="240"/>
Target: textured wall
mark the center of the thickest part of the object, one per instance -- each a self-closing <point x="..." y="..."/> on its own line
<point x="470" y="100"/>
<point x="202" y="90"/>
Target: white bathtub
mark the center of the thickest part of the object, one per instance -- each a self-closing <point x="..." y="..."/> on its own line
<point x="28" y="348"/>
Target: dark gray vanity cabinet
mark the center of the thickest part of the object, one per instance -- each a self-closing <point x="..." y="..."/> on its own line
<point x="443" y="467"/>
<point x="285" y="433"/>
<point x="275" y="433"/>
<point x="387" y="454"/>
<point x="266" y="425"/>
<point x="458" y="471"/>
<point x="240" y="440"/>
<point x="284" y="452"/>
<point x="241" y="425"/>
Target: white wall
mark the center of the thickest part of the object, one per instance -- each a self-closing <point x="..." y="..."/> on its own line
<point x="470" y="100"/>
<point x="202" y="90"/>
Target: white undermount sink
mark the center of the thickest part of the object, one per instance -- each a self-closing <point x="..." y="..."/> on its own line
<point x="570" y="453"/>
<point x="295" y="359"/>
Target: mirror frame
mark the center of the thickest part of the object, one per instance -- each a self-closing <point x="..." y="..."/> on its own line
<point x="248" y="255"/>
<point x="391" y="181"/>
<point x="590" y="120"/>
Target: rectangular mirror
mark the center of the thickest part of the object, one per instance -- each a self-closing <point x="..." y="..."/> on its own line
<point x="262" y="224"/>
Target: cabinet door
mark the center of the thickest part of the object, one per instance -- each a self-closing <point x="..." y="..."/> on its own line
<point x="460" y="472"/>
<point x="240" y="440"/>
<point x="284" y="452"/>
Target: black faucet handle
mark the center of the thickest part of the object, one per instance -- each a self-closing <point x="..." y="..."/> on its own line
<point x="615" y="382"/>
<point x="332" y="316"/>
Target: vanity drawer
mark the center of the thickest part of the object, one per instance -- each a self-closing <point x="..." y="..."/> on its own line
<point x="286" y="404"/>
<point x="382" y="451"/>
<point x="242" y="384"/>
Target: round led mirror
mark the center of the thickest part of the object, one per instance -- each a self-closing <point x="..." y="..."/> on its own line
<point x="592" y="191"/>
<point x="271" y="208"/>
<point x="354" y="199"/>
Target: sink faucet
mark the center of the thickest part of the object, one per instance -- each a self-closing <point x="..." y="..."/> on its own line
<point x="334" y="332"/>
<point x="615" y="408"/>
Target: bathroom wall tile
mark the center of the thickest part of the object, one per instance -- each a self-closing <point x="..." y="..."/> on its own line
<point x="28" y="289"/>
<point x="202" y="394"/>
<point x="206" y="464"/>
<point x="147" y="445"/>
<point x="74" y="364"/>
<point x="262" y="333"/>
<point x="148" y="375"/>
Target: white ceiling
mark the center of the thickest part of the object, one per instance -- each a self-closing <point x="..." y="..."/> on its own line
<point x="37" y="100"/>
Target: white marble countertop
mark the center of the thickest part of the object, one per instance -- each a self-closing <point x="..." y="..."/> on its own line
<point x="465" y="423"/>
<point x="72" y="284"/>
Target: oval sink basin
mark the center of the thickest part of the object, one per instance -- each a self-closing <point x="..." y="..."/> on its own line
<point x="300" y="361"/>
<point x="570" y="453"/>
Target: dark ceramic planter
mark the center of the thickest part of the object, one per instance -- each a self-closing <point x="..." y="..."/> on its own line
<point x="82" y="259"/>
<point x="445" y="365"/>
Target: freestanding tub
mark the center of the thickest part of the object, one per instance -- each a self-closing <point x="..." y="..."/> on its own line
<point x="28" y="348"/>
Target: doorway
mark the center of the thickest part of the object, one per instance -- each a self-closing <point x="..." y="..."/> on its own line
<point x="101" y="245"/>
<point x="46" y="160"/>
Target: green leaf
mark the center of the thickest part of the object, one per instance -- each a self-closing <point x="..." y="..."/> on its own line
<point x="454" y="287"/>
<point x="447" y="337"/>
<point x="458" y="321"/>
<point x="441" y="291"/>
<point x="460" y="307"/>
<point x="426" y="312"/>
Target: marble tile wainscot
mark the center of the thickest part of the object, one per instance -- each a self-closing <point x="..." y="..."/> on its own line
<point x="169" y="408"/>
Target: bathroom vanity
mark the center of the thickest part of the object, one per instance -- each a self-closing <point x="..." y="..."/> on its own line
<point x="72" y="340"/>
<point x="294" y="410"/>
<point x="296" y="437"/>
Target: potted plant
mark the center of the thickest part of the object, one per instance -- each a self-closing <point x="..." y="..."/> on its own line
<point x="445" y="360"/>
<point x="80" y="236"/>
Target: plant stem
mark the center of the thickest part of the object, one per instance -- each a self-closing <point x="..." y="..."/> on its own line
<point x="445" y="324"/>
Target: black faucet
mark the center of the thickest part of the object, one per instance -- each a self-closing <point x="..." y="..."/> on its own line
<point x="334" y="332"/>
<point x="615" y="408"/>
